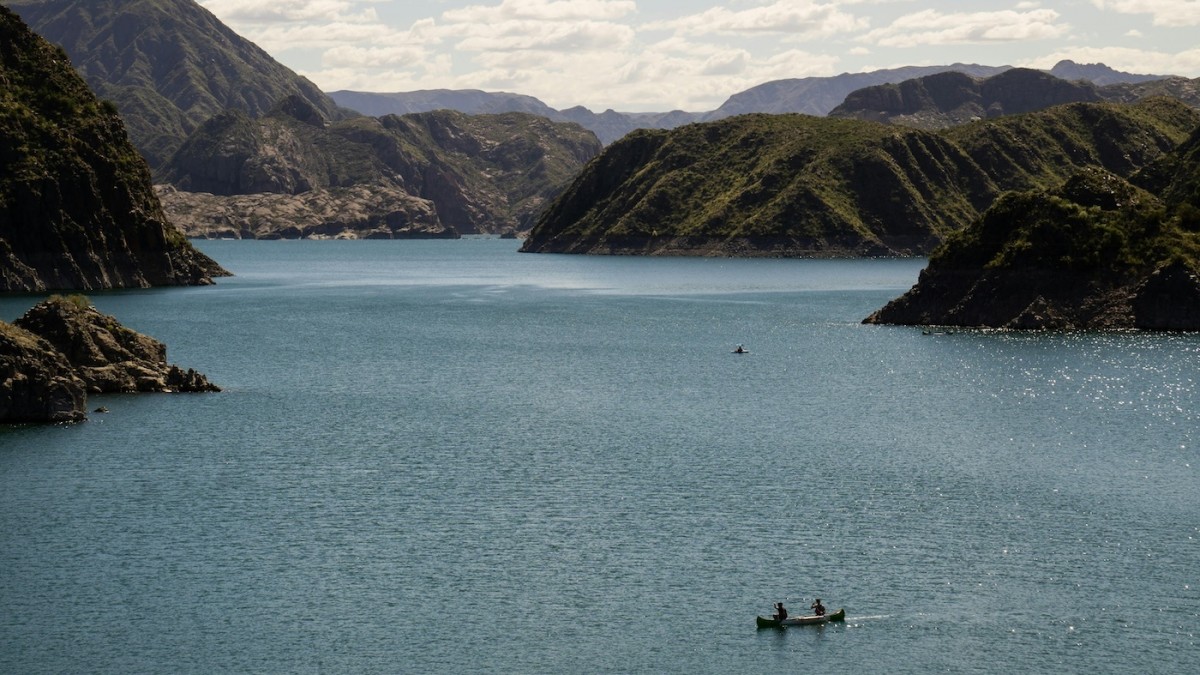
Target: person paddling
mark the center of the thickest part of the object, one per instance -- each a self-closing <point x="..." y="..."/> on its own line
<point x="817" y="608"/>
<point x="780" y="612"/>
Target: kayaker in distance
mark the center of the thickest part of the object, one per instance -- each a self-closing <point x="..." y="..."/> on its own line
<point x="817" y="608"/>
<point x="780" y="612"/>
<point x="740" y="350"/>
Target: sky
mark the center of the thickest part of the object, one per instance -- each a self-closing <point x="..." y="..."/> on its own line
<point x="662" y="55"/>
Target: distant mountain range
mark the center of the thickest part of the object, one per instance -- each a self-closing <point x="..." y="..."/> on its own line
<point x="951" y="98"/>
<point x="213" y="113"/>
<point x="808" y="95"/>
<point x="169" y="65"/>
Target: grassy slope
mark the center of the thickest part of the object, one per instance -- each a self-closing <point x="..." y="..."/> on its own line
<point x="799" y="185"/>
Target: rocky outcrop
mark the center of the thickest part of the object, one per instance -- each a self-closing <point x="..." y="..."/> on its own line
<point x="37" y="384"/>
<point x="106" y="356"/>
<point x="429" y="174"/>
<point x="77" y="210"/>
<point x="1096" y="253"/>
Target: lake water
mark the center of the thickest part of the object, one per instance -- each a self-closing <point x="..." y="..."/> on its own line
<point x="446" y="456"/>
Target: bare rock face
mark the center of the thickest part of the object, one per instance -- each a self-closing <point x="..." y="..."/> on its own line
<point x="423" y="175"/>
<point x="37" y="383"/>
<point x="106" y="356"/>
<point x="356" y="212"/>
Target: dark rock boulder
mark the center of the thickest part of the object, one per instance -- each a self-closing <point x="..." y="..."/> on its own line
<point x="37" y="383"/>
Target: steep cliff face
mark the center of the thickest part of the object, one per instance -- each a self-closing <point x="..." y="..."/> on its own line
<point x="77" y="210"/>
<point x="473" y="174"/>
<point x="795" y="185"/>
<point x="169" y="65"/>
<point x="1095" y="253"/>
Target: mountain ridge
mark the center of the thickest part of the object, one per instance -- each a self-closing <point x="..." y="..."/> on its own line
<point x="1095" y="252"/>
<point x="423" y="174"/>
<point x="168" y="65"/>
<point x="816" y="95"/>
<point x="797" y="185"/>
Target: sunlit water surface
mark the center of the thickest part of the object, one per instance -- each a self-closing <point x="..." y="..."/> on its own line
<point x="447" y="456"/>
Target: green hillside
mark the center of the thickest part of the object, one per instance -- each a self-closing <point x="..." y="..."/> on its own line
<point x="794" y="185"/>
<point x="1094" y="252"/>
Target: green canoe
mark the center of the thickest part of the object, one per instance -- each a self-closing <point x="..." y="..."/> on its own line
<point x="764" y="622"/>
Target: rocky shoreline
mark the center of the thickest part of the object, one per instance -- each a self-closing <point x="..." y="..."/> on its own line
<point x="63" y="349"/>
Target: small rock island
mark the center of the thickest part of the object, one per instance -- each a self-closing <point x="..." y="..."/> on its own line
<point x="63" y="349"/>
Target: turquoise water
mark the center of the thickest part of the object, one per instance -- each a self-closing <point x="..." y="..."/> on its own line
<point x="448" y="456"/>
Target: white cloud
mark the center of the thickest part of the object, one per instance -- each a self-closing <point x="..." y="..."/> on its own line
<point x="931" y="27"/>
<point x="655" y="55"/>
<point x="291" y="11"/>
<point x="800" y="18"/>
<point x="542" y="10"/>
<point x="1167" y="13"/>
<point x="276" y="39"/>
<point x="542" y="36"/>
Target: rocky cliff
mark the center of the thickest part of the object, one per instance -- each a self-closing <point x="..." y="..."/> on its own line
<point x="428" y="174"/>
<point x="63" y="348"/>
<point x="1094" y="253"/>
<point x="77" y="210"/>
<point x="106" y="356"/>
<point x="168" y="65"/>
<point x="793" y="185"/>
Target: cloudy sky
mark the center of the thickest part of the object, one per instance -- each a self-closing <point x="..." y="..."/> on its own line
<point x="659" y="55"/>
